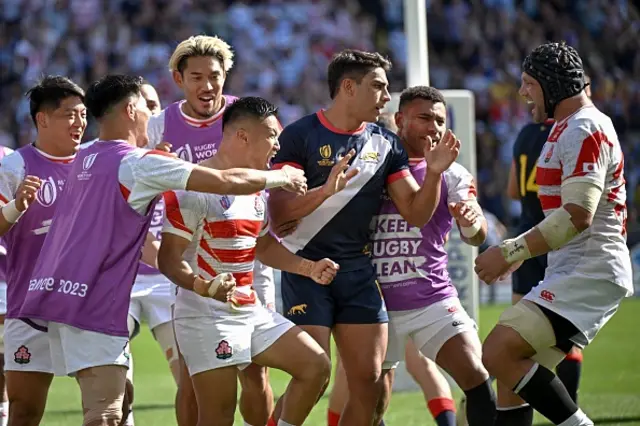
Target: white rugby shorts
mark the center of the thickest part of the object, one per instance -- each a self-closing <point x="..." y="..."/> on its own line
<point x="26" y="346"/>
<point x="429" y="327"/>
<point x="585" y="302"/>
<point x="228" y="339"/>
<point x="74" y="349"/>
<point x="151" y="299"/>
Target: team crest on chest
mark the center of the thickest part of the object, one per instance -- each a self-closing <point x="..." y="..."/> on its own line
<point x="259" y="206"/>
<point x="225" y="202"/>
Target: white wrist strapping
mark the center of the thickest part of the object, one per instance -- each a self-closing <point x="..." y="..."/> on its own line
<point x="215" y="283"/>
<point x="471" y="231"/>
<point x="10" y="212"/>
<point x="276" y="179"/>
<point x="516" y="249"/>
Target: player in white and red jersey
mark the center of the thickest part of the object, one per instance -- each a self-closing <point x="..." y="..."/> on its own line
<point x="582" y="193"/>
<point x="192" y="127"/>
<point x="208" y="236"/>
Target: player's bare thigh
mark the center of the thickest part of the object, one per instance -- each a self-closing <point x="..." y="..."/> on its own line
<point x="362" y="348"/>
<point x="216" y="395"/>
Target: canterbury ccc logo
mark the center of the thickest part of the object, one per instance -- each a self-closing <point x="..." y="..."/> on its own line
<point x="47" y="193"/>
<point x="88" y="161"/>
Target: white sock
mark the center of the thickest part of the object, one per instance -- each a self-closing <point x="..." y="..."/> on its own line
<point x="579" y="418"/>
<point x="283" y="423"/>
<point x="4" y="413"/>
<point x="129" y="421"/>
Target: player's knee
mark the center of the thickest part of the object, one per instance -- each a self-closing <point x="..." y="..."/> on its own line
<point x="24" y="412"/>
<point x="103" y="390"/>
<point x="318" y="369"/>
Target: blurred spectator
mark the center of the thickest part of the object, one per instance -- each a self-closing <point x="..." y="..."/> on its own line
<point x="283" y="47"/>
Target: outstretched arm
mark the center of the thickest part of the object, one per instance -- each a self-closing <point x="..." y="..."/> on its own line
<point x="286" y="207"/>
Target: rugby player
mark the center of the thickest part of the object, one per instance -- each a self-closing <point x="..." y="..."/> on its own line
<point x="217" y="234"/>
<point x="335" y="222"/>
<point x="192" y="128"/>
<point x="115" y="184"/>
<point x="522" y="186"/>
<point x="434" y="385"/>
<point x="581" y="189"/>
<point x="411" y="263"/>
<point x="34" y="176"/>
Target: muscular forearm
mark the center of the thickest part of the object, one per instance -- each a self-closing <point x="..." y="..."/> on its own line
<point x="177" y="270"/>
<point x="425" y="201"/>
<point x="271" y="253"/>
<point x="231" y="181"/>
<point x="285" y="206"/>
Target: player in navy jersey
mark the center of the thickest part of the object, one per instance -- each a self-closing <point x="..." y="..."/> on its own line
<point x="522" y="186"/>
<point x="348" y="161"/>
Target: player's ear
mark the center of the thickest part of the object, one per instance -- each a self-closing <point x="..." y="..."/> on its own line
<point x="177" y="78"/>
<point x="131" y="109"/>
<point x="42" y="119"/>
<point x="243" y="135"/>
<point x="348" y="85"/>
<point x="399" y="119"/>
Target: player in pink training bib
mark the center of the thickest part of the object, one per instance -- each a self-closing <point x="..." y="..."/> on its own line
<point x="221" y="325"/>
<point x="581" y="189"/>
<point x="81" y="283"/>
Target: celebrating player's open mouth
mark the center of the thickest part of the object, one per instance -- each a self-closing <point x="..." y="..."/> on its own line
<point x="206" y="101"/>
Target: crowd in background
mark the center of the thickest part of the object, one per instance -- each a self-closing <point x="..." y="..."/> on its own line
<point x="283" y="47"/>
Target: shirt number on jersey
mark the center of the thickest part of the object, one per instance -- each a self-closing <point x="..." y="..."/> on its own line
<point x="527" y="184"/>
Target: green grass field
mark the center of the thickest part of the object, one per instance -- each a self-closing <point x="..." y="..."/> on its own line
<point x="609" y="393"/>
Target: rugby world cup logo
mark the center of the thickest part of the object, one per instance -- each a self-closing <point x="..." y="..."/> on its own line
<point x="88" y="161"/>
<point x="184" y="153"/>
<point x="47" y="193"/>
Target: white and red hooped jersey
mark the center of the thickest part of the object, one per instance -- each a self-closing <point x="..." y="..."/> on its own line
<point x="584" y="147"/>
<point x="222" y="230"/>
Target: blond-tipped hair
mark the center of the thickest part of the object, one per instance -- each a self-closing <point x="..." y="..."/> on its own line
<point x="201" y="45"/>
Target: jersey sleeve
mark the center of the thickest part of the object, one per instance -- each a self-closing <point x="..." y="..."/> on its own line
<point x="266" y="226"/>
<point x="184" y="211"/>
<point x="161" y="171"/>
<point x="292" y="150"/>
<point x="155" y="130"/>
<point x="399" y="161"/>
<point x="461" y="186"/>
<point x="12" y="173"/>
<point x="584" y="156"/>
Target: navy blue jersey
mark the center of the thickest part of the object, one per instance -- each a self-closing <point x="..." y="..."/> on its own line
<point x="526" y="150"/>
<point x="339" y="228"/>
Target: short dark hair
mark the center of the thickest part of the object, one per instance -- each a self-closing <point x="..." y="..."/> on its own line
<point x="248" y="107"/>
<point x="50" y="92"/>
<point x="111" y="89"/>
<point x="354" y="64"/>
<point x="426" y="93"/>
